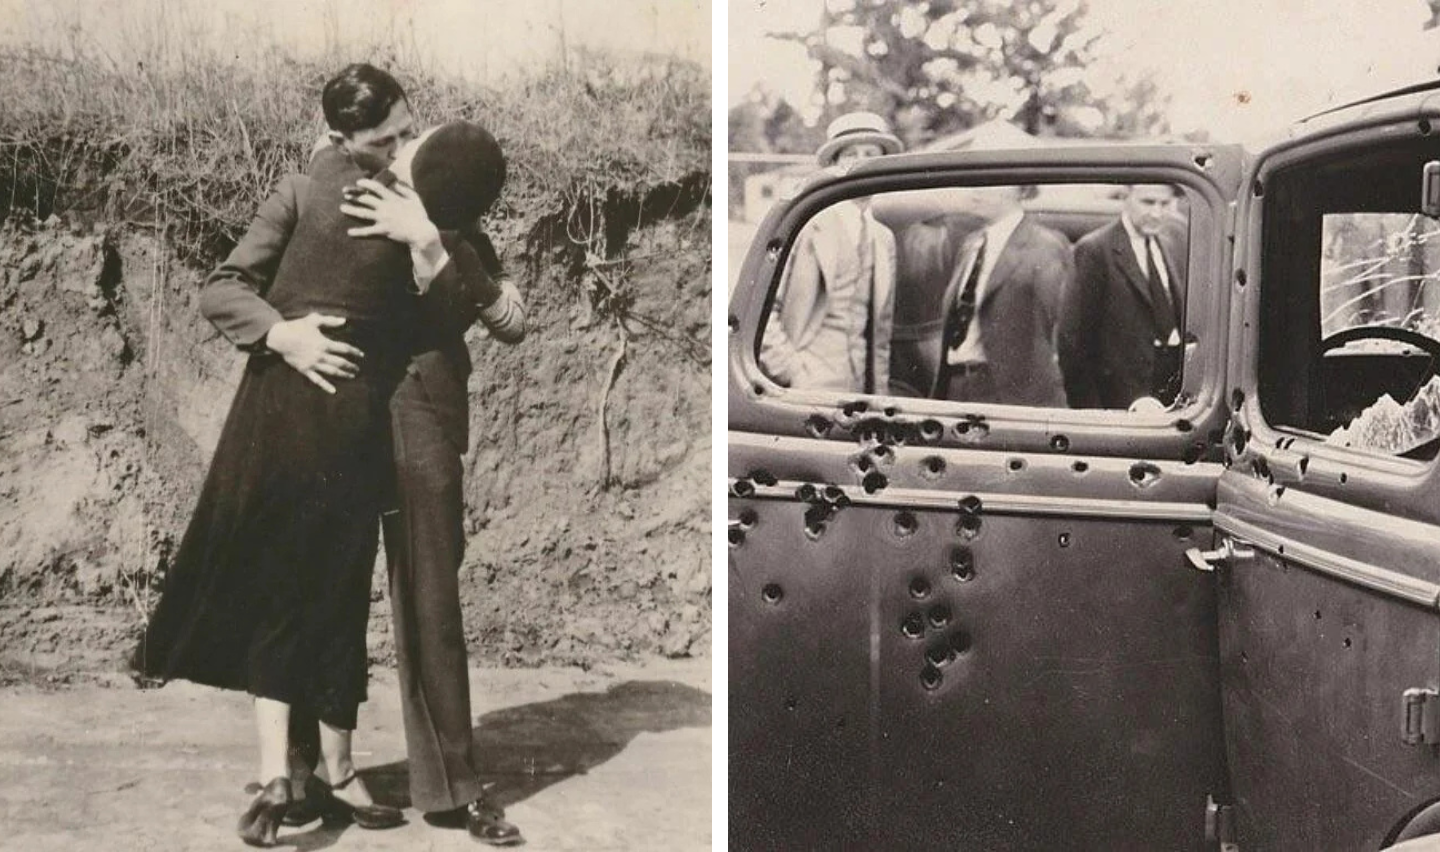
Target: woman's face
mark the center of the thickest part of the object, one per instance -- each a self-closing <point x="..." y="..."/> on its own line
<point x="404" y="160"/>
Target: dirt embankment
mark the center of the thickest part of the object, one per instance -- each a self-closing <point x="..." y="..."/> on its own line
<point x="588" y="539"/>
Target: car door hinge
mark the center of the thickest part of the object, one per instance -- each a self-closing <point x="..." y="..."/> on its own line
<point x="1419" y="721"/>
<point x="1220" y="825"/>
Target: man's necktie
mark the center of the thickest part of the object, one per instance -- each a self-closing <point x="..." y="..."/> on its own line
<point x="964" y="308"/>
<point x="1161" y="306"/>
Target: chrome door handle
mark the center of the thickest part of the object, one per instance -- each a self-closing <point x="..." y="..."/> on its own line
<point x="1229" y="550"/>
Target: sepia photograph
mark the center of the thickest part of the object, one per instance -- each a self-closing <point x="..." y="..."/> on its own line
<point x="1083" y="380"/>
<point x="355" y="444"/>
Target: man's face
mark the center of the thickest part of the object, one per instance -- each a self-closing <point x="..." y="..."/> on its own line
<point x="402" y="165"/>
<point x="859" y="151"/>
<point x="1148" y="207"/>
<point x="373" y="149"/>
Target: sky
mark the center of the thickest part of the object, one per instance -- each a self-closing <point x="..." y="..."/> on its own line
<point x="1240" y="69"/>
<point x="481" y="39"/>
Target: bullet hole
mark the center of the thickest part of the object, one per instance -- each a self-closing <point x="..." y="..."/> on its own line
<point x="840" y="724"/>
<point x="1240" y="278"/>
<point x="968" y="528"/>
<point x="734" y="324"/>
<point x="1015" y="465"/>
<point x="1144" y="474"/>
<point x="1424" y="126"/>
<point x="816" y="517"/>
<point x="962" y="564"/>
<point x="772" y="250"/>
<point x="833" y="493"/>
<point x="1261" y="468"/>
<point x="817" y="426"/>
<point x="960" y="641"/>
<point x="764" y="477"/>
<point x="932" y="466"/>
<point x="1275" y="493"/>
<point x="1064" y="539"/>
<point x="883" y="453"/>
<point x="1080" y="466"/>
<point x="737" y="537"/>
<point x="919" y="588"/>
<point x="759" y="389"/>
<point x="1303" y="465"/>
<point x="1237" y="399"/>
<point x="1343" y="478"/>
<point x="854" y="409"/>
<point x="931" y="430"/>
<point x="1202" y="160"/>
<point x="1184" y="425"/>
<point x="970" y="505"/>
<point x="939" y="655"/>
<point x="748" y="518"/>
<point x="874" y="482"/>
<point x="1184" y="531"/>
<point x="973" y="427"/>
<point x="1258" y="188"/>
<point x="1347" y="642"/>
<point x="1240" y="440"/>
<point x="890" y="411"/>
<point x="939" y="616"/>
<point x="742" y="488"/>
<point x="930" y="678"/>
<point x="1193" y="453"/>
<point x="806" y="492"/>
<point x="792" y="704"/>
<point x="1244" y="657"/>
<point x="905" y="524"/>
<point x="772" y="593"/>
<point x="1317" y="615"/>
<point x="1060" y="443"/>
<point x="913" y="627"/>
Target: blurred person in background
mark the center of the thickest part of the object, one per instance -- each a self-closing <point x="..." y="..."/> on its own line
<point x="830" y="326"/>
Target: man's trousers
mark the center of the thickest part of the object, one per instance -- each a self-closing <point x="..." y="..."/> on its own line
<point x="424" y="543"/>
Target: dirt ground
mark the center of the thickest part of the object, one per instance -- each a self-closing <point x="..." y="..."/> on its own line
<point x="614" y="758"/>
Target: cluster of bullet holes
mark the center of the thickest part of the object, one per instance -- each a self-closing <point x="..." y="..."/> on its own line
<point x="824" y="502"/>
<point x="962" y="564"/>
<point x="746" y="521"/>
<point x="947" y="640"/>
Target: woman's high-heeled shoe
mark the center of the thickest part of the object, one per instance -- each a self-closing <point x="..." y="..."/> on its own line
<point x="366" y="816"/>
<point x="261" y="821"/>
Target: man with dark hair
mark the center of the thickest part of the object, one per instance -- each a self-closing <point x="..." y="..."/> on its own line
<point x="457" y="279"/>
<point x="1122" y="324"/>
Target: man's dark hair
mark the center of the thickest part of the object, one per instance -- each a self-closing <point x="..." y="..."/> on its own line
<point x="359" y="98"/>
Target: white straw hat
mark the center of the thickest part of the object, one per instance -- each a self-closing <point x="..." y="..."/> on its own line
<point x="854" y="128"/>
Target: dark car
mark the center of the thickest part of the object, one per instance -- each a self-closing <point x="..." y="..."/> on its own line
<point x="1208" y="621"/>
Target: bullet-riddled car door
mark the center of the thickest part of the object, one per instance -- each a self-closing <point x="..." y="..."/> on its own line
<point x="1328" y="570"/>
<point x="970" y="625"/>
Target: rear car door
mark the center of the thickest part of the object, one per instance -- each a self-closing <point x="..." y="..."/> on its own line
<point x="1328" y="512"/>
<point x="967" y="625"/>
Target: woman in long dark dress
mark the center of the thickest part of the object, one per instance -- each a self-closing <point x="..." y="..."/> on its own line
<point x="270" y="589"/>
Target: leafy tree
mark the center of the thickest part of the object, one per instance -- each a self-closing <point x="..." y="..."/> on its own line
<point x="941" y="66"/>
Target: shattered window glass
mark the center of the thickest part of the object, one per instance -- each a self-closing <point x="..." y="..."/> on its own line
<point x="1380" y="327"/>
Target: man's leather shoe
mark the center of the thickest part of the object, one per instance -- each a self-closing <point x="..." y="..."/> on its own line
<point x="486" y="823"/>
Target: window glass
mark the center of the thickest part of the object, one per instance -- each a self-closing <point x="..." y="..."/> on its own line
<point x="1380" y="329"/>
<point x="1056" y="295"/>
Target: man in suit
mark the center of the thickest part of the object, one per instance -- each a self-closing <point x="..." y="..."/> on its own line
<point x="1000" y="307"/>
<point x="457" y="279"/>
<point x="1122" y="323"/>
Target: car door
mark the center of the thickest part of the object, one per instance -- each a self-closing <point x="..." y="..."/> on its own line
<point x="957" y="625"/>
<point x="1328" y="512"/>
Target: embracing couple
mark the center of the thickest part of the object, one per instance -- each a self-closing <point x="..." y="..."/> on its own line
<point x="352" y="291"/>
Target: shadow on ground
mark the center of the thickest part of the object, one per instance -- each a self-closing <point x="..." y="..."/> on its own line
<point x="522" y="750"/>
